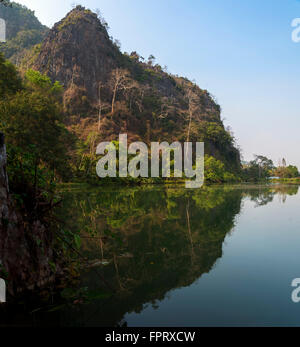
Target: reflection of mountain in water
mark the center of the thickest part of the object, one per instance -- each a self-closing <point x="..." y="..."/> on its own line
<point x="163" y="239"/>
<point x="151" y="240"/>
<point x="157" y="241"/>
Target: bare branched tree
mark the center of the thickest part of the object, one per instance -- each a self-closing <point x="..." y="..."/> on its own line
<point x="120" y="81"/>
<point x="193" y="104"/>
<point x="101" y="18"/>
<point x="99" y="106"/>
<point x="98" y="13"/>
<point x="151" y="60"/>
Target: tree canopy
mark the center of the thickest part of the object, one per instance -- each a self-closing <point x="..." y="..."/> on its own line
<point x="31" y="116"/>
<point x="10" y="81"/>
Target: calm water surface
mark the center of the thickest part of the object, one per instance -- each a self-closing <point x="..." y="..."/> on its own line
<point x="213" y="257"/>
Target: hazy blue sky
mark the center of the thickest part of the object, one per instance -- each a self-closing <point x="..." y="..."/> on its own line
<point x="239" y="50"/>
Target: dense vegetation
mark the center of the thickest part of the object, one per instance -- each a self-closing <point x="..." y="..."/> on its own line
<point x="284" y="171"/>
<point x="31" y="119"/>
<point x="262" y="168"/>
<point x="23" y="30"/>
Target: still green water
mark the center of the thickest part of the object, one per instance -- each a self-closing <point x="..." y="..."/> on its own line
<point x="222" y="256"/>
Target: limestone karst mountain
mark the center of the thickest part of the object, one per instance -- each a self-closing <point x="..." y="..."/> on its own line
<point x="107" y="92"/>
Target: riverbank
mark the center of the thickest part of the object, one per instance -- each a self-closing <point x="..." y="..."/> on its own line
<point x="89" y="187"/>
<point x="286" y="180"/>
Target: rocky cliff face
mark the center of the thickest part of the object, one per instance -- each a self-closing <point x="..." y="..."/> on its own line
<point x="24" y="253"/>
<point x="108" y="92"/>
<point x="3" y="177"/>
<point x="78" y="53"/>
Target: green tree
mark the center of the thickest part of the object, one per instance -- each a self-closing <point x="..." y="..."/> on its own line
<point x="287" y="172"/>
<point x="23" y="30"/>
<point x="214" y="170"/>
<point x="259" y="168"/>
<point x="10" y="82"/>
<point x="36" y="138"/>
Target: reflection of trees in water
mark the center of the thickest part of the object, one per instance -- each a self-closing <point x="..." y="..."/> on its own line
<point x="189" y="231"/>
<point x="262" y="198"/>
<point x="284" y="191"/>
<point x="265" y="195"/>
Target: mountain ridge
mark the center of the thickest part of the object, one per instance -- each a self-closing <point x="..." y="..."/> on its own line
<point x="108" y="92"/>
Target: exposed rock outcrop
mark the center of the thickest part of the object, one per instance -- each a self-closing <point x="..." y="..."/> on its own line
<point x="25" y="250"/>
<point x="78" y="53"/>
<point x="3" y="180"/>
